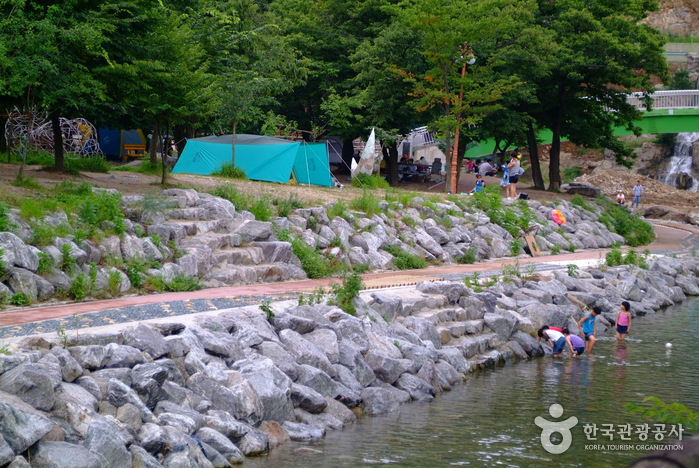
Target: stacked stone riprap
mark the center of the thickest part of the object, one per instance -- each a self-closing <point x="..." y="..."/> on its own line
<point x="205" y="237"/>
<point x="233" y="384"/>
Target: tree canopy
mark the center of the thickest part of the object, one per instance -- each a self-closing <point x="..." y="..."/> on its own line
<point x="337" y="67"/>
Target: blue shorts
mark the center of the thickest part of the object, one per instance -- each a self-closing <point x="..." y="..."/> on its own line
<point x="579" y="351"/>
<point x="588" y="335"/>
<point x="622" y="329"/>
<point x="559" y="345"/>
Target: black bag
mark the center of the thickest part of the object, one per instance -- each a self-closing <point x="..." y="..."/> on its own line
<point x="523" y="196"/>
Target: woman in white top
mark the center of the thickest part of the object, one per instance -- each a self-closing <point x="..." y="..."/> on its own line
<point x="515" y="170"/>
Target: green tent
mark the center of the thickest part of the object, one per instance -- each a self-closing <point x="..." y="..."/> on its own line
<point x="261" y="157"/>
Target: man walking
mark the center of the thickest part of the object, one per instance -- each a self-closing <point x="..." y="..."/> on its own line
<point x="637" y="191"/>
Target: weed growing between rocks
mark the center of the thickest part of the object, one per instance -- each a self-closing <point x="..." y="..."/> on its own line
<point x="404" y="260"/>
<point x="343" y="294"/>
<point x="580" y="202"/>
<point x="627" y="224"/>
<point x="337" y="209"/>
<point x="179" y="283"/>
<point x="318" y="296"/>
<point x="20" y="299"/>
<point x="266" y="307"/>
<point x="286" y="206"/>
<point x="313" y="262"/>
<point x="555" y="249"/>
<point x="616" y="258"/>
<point x="468" y="257"/>
<point x="572" y="270"/>
<point x="367" y="203"/>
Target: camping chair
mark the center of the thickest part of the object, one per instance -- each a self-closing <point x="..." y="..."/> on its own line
<point x="436" y="169"/>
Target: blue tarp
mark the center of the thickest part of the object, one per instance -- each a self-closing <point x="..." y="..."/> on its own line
<point x="262" y="158"/>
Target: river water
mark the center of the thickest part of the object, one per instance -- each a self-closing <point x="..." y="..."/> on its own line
<point x="489" y="420"/>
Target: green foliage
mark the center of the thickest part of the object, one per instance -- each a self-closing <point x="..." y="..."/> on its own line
<point x="628" y="225"/>
<point x="135" y="270"/>
<point x="241" y="201"/>
<point x="337" y="209"/>
<point x="45" y="263"/>
<point x="286" y="206"/>
<point x="67" y="259"/>
<point x="681" y="80"/>
<point x="27" y="182"/>
<point x="179" y="283"/>
<point x="571" y="247"/>
<point x="654" y="409"/>
<point x="474" y="282"/>
<point x="79" y="287"/>
<point x="344" y="293"/>
<point x="404" y="260"/>
<point x="262" y="209"/>
<point x="515" y="246"/>
<point x="231" y="172"/>
<point x="5" y="223"/>
<point x="409" y="221"/>
<point x="367" y="203"/>
<point x="316" y="297"/>
<point x="615" y="258"/>
<point x="113" y="283"/>
<point x="580" y="202"/>
<point x="468" y="257"/>
<point x="313" y="262"/>
<point x="266" y="307"/>
<point x="5" y="349"/>
<point x="571" y="173"/>
<point x="91" y="164"/>
<point x="490" y="202"/>
<point x="370" y="182"/>
<point x="572" y="270"/>
<point x="20" y="299"/>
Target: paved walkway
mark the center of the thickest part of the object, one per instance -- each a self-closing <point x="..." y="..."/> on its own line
<point x="671" y="238"/>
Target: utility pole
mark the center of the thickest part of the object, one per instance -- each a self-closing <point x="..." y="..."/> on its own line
<point x="467" y="58"/>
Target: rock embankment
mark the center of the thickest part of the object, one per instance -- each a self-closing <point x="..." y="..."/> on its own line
<point x="233" y="384"/>
<point x="186" y="234"/>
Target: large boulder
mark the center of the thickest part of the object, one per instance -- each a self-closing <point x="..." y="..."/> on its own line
<point x="378" y="400"/>
<point x="147" y="340"/>
<point x="64" y="455"/>
<point x="30" y="383"/>
<point x="17" y="253"/>
<point x="21" y="426"/>
<point x="105" y="439"/>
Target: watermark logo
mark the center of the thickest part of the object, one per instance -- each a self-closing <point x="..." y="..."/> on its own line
<point x="549" y="428"/>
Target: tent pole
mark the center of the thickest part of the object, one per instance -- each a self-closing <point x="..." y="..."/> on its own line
<point x="308" y="172"/>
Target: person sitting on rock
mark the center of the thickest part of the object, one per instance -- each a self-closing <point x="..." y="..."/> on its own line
<point x="620" y="198"/>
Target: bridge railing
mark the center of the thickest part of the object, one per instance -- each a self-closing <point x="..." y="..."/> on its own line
<point x="675" y="99"/>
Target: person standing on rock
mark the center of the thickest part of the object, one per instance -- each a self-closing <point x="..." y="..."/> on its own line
<point x="515" y="170"/>
<point x="588" y="326"/>
<point x="637" y="191"/>
<point x="555" y="339"/>
<point x="623" y="322"/>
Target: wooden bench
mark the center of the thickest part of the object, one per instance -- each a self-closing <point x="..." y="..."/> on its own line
<point x="133" y="151"/>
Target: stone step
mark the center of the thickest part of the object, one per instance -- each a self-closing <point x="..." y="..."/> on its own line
<point x="214" y="240"/>
<point x="450" y="330"/>
<point x="479" y="344"/>
<point x="238" y="256"/>
<point x="438" y="316"/>
<point x="192" y="228"/>
<point x="233" y="275"/>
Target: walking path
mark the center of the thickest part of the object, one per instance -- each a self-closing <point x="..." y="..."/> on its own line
<point x="671" y="238"/>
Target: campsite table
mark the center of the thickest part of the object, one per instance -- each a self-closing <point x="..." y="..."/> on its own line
<point x="421" y="171"/>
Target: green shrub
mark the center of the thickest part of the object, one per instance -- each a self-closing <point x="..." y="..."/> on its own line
<point x="555" y="249"/>
<point x="134" y="270"/>
<point x="79" y="287"/>
<point x="628" y="225"/>
<point x="515" y="246"/>
<point x="43" y="234"/>
<point x="45" y="263"/>
<point x="409" y="221"/>
<point x="367" y="203"/>
<point x="95" y="163"/>
<point x="231" y="172"/>
<point x="6" y="223"/>
<point x="286" y="206"/>
<point x="67" y="259"/>
<point x="371" y="182"/>
<point x="570" y="174"/>
<point x="312" y="260"/>
<point x="654" y="409"/>
<point x="613" y="258"/>
<point x="241" y="201"/>
<point x="337" y="209"/>
<point x="468" y="257"/>
<point x="179" y="283"/>
<point x="490" y="202"/>
<point x="262" y="209"/>
<point x="580" y="202"/>
<point x="571" y="247"/>
<point x="113" y="282"/>
<point x="572" y="270"/>
<point x="20" y="299"/>
<point x="404" y="260"/>
<point x="344" y="293"/>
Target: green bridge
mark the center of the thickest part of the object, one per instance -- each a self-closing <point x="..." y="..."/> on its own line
<point x="673" y="112"/>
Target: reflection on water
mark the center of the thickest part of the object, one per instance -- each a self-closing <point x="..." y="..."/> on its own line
<point x="488" y="421"/>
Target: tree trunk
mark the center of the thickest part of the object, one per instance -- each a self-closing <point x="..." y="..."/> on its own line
<point x="235" y="127"/>
<point x="392" y="175"/>
<point x="534" y="158"/>
<point x="447" y="182"/>
<point x="57" y="141"/>
<point x="555" y="157"/>
<point x="164" y="158"/>
<point x="154" y="143"/>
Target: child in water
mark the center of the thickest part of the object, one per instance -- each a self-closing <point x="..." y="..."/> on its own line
<point x="623" y="321"/>
<point x="555" y="339"/>
<point x="588" y="326"/>
<point x="575" y="343"/>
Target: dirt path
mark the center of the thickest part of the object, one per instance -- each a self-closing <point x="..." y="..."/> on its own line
<point x="669" y="237"/>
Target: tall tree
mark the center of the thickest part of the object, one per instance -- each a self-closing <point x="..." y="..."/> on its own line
<point x="602" y="52"/>
<point x="49" y="51"/>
